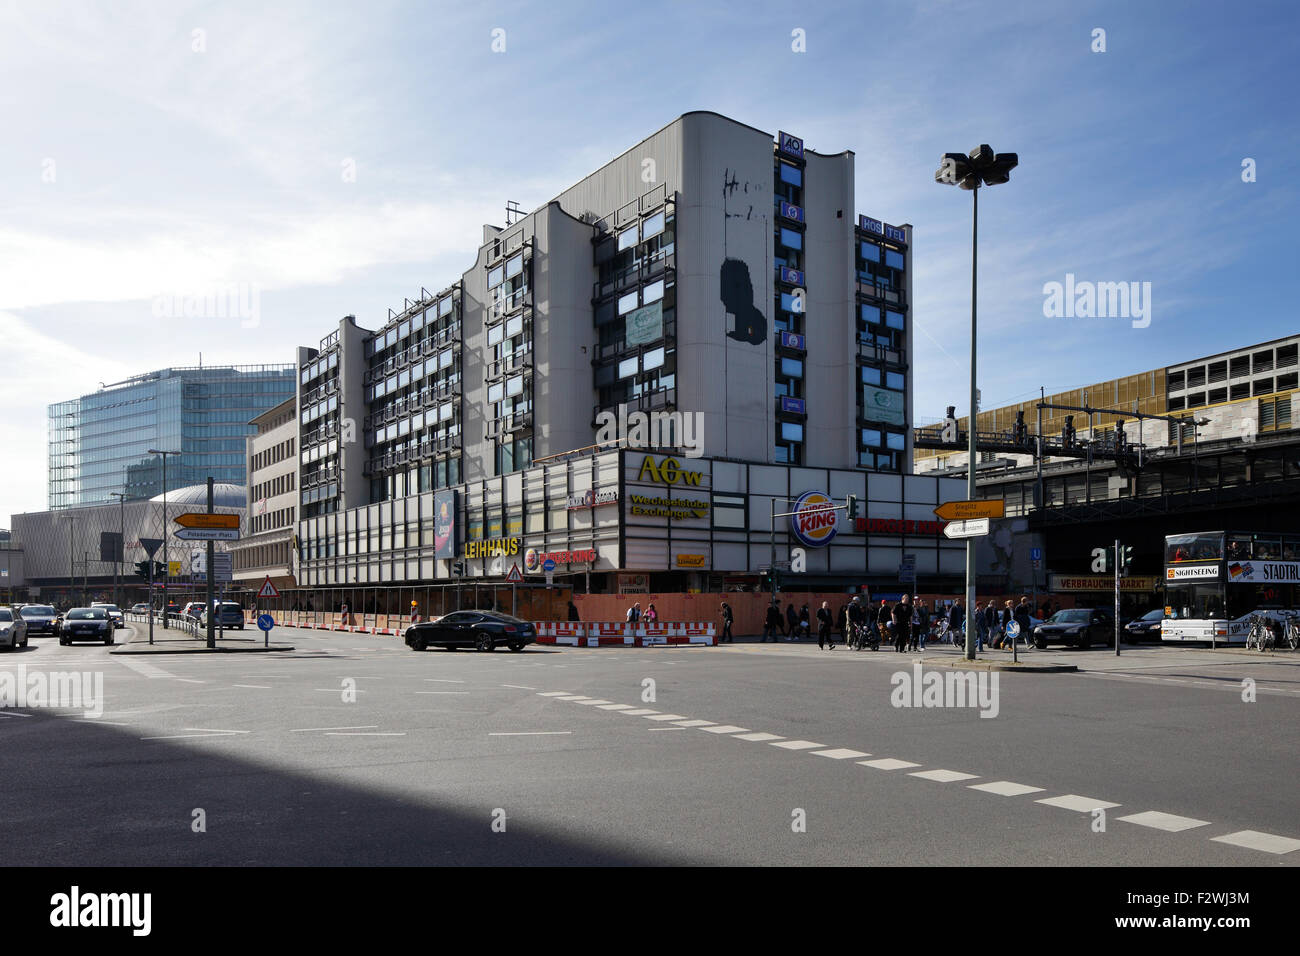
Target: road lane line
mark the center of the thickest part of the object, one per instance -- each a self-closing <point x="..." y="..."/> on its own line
<point x="664" y="716"/>
<point x="758" y="737"/>
<point x="364" y="733"/>
<point x="1255" y="840"/>
<point x="798" y="745"/>
<point x="519" y="687"/>
<point x="638" y="712"/>
<point x="840" y="753"/>
<point x="307" y="730"/>
<point x="696" y="723"/>
<point x="553" y="693"/>
<point x="725" y="729"/>
<point x="254" y="686"/>
<point x="532" y="733"/>
<point x="1005" y="788"/>
<point x="888" y="763"/>
<point x="944" y="776"/>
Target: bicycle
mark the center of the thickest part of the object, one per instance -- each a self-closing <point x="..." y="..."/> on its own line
<point x="1261" y="636"/>
<point x="865" y="636"/>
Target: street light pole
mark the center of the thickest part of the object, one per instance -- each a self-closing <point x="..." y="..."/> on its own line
<point x="980" y="167"/>
<point x="166" y="563"/>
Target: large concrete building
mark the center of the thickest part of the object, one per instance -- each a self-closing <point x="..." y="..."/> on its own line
<point x="713" y="271"/>
<point x="265" y="549"/>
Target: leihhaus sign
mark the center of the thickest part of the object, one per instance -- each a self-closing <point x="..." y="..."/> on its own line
<point x="492" y="547"/>
<point x="898" y="526"/>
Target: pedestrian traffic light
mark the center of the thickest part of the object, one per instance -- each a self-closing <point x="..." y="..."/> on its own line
<point x="851" y="507"/>
<point x="1125" y="559"/>
<point x="159" y="569"/>
<point x="765" y="581"/>
<point x="142" y="568"/>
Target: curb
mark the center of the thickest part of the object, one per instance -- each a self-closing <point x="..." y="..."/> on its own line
<point x="206" y="650"/>
<point x="984" y="665"/>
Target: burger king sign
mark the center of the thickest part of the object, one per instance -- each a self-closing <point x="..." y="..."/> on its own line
<point x="813" y="519"/>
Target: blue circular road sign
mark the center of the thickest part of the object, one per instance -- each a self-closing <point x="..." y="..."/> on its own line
<point x="1013" y="629"/>
<point x="548" y="565"/>
<point x="265" y="622"/>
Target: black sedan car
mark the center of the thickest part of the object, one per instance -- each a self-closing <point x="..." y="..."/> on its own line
<point x="1144" y="628"/>
<point x="86" y="624"/>
<point x="40" y="618"/>
<point x="1077" y="626"/>
<point x="483" y="630"/>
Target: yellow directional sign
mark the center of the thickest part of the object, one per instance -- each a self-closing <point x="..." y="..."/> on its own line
<point x="967" y="510"/>
<point x="195" y="520"/>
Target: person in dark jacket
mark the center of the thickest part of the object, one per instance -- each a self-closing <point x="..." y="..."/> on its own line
<point x="772" y="625"/>
<point x="956" y="617"/>
<point x="824" y="621"/>
<point x="902" y="616"/>
<point x="883" y="618"/>
<point x="791" y="622"/>
<point x="805" y="623"/>
<point x="727" y="618"/>
<point x="573" y="612"/>
<point x="1022" y="614"/>
<point x="842" y="622"/>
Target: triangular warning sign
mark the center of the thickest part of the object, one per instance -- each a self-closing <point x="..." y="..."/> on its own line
<point x="514" y="577"/>
<point x="268" y="589"/>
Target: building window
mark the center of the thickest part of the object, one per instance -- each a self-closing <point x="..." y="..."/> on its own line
<point x="730" y="511"/>
<point x="1275" y="414"/>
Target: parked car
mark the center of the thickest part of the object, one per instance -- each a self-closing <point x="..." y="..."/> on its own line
<point x="39" y="618"/>
<point x="114" y="612"/>
<point x="484" y="630"/>
<point x="229" y="615"/>
<point x="86" y="624"/>
<point x="1077" y="626"/>
<point x="193" y="610"/>
<point x="13" y="629"/>
<point x="1145" y="627"/>
<point x="140" y="608"/>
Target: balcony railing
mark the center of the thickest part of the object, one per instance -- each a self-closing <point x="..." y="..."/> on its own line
<point x="514" y="422"/>
<point x="647" y="270"/>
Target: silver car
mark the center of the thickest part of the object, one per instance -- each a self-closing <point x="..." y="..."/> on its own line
<point x="13" y="629"/>
<point x="39" y="618"/>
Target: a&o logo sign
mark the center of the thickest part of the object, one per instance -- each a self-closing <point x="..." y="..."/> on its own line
<point x="814" y="519"/>
<point x="531" y="560"/>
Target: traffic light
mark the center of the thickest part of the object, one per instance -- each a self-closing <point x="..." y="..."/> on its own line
<point x="159" y="569"/>
<point x="1067" y="432"/>
<point x="1125" y="559"/>
<point x="142" y="568"/>
<point x="851" y="507"/>
<point x="458" y="568"/>
<point x="1022" y="430"/>
<point x="765" y="581"/>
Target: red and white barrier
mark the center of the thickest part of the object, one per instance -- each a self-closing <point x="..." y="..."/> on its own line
<point x="610" y="634"/>
<point x="573" y="633"/>
<point x="695" y="632"/>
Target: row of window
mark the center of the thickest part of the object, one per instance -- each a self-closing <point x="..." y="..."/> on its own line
<point x="274" y="486"/>
<point x="437" y="316"/>
<point x="272" y="520"/>
<point x="314" y="412"/>
<point x="429" y="476"/>
<point x="439" y="366"/>
<point x="1262" y="361"/>
<point x="277" y="452"/>
<point x="274" y="555"/>
<point x="319" y="367"/>
<point x="1241" y="390"/>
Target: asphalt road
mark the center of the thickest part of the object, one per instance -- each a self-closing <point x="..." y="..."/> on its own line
<point x="750" y="754"/>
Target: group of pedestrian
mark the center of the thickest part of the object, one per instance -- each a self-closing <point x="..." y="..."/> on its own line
<point x="636" y="615"/>
<point x="795" y="625"/>
<point x="991" y="621"/>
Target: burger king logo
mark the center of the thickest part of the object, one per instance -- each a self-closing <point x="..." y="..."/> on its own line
<point x="531" y="560"/>
<point x="814" y="519"/>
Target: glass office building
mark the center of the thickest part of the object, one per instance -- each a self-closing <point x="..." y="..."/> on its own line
<point x="99" y="443"/>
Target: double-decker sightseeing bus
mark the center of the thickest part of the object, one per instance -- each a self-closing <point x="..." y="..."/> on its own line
<point x="1215" y="580"/>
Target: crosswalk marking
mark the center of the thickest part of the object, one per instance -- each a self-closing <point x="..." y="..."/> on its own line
<point x="594" y="702"/>
<point x="1164" y="821"/>
<point x="696" y="723"/>
<point x="758" y="737"/>
<point x="943" y="776"/>
<point x="1072" y="801"/>
<point x="1005" y="788"/>
<point x="639" y="712"/>
<point x="553" y="693"/>
<point x="840" y="753"/>
<point x="798" y="745"/>
<point x="1255" y="840"/>
<point x="888" y="763"/>
<point x="725" y="729"/>
<point x="615" y="706"/>
<point x="664" y="717"/>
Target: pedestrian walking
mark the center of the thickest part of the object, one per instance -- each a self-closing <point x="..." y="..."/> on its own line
<point x="791" y="622"/>
<point x="805" y="623"/>
<point x="772" y="625"/>
<point x="902" y="616"/>
<point x="824" y="621"/>
<point x="922" y="619"/>
<point x="856" y="621"/>
<point x="956" y="617"/>
<point x="842" y="622"/>
<point x="727" y="618"/>
<point x="884" y="620"/>
<point x="981" y="626"/>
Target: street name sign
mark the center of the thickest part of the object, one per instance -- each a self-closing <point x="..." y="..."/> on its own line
<point x="974" y="528"/>
<point x="966" y="510"/>
<point x="207" y="534"/>
<point x="196" y="520"/>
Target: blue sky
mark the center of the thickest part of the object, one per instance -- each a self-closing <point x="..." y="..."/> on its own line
<point x="137" y="167"/>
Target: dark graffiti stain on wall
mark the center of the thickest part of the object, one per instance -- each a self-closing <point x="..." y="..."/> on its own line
<point x="738" y="299"/>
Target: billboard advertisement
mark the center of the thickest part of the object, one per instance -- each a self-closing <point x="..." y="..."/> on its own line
<point x="444" y="524"/>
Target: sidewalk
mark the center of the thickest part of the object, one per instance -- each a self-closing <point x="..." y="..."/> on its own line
<point x="174" y="640"/>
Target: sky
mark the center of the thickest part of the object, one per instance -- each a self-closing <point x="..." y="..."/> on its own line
<point x="334" y="158"/>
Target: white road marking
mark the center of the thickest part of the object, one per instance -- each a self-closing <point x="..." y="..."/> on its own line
<point x="1254" y="840"/>
<point x="1005" y="788"/>
<point x="1072" y="801"/>
<point x="840" y="753"/>
<point x="337" y="690"/>
<point x="553" y="693"/>
<point x="365" y="733"/>
<point x="758" y="737"/>
<point x="664" y="716"/>
<point x="213" y="730"/>
<point x="943" y="776"/>
<point x="254" y="686"/>
<point x="593" y="703"/>
<point x="640" y="712"/>
<point x="308" y="730"/>
<point x="1164" y="821"/>
<point x="15" y="714"/>
<point x="443" y="692"/>
<point x="443" y="680"/>
<point x="725" y="729"/>
<point x="190" y="680"/>
<point x="798" y="745"/>
<point x="533" y="733"/>
<point x="96" y="720"/>
<point x="696" y="723"/>
<point x="888" y="763"/>
<point x="615" y="706"/>
<point x="519" y="687"/>
<point x="653" y="729"/>
<point x="573" y="697"/>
